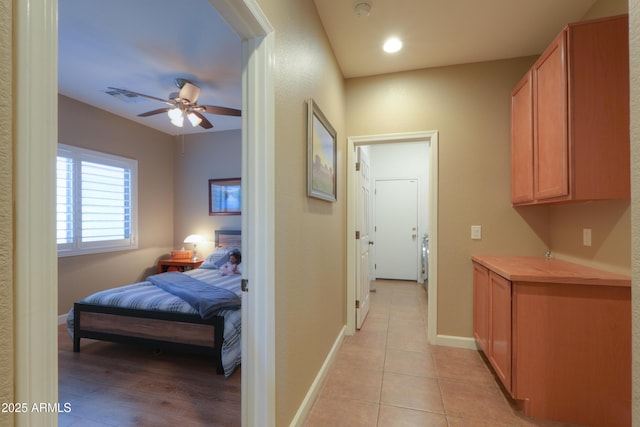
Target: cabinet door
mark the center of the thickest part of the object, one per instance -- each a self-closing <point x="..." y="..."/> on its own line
<point x="551" y="157"/>
<point x="481" y="306"/>
<point x="522" y="141"/>
<point x="500" y="328"/>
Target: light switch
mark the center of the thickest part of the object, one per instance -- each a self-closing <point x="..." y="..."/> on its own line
<point x="586" y="236"/>
<point x="476" y="232"/>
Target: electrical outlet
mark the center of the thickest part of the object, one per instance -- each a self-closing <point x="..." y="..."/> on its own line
<point x="586" y="236"/>
<point x="476" y="232"/>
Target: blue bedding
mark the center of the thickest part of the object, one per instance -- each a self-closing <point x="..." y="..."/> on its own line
<point x="146" y="296"/>
<point x="205" y="298"/>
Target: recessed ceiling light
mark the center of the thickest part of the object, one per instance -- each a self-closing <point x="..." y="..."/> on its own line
<point x="392" y="45"/>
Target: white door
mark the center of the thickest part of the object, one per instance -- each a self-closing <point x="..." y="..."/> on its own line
<point x="396" y="229"/>
<point x="363" y="215"/>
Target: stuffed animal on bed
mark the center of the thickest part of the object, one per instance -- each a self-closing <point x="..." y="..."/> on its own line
<point x="233" y="265"/>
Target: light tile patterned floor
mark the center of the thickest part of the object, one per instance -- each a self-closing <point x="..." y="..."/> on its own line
<point x="388" y="375"/>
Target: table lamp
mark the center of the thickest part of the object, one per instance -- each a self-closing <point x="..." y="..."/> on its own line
<point x="195" y="239"/>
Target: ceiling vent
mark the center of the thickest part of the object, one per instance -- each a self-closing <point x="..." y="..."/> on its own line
<point x="123" y="96"/>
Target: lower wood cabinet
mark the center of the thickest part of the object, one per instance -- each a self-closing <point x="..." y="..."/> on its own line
<point x="492" y="320"/>
<point x="500" y="327"/>
<point x="558" y="336"/>
<point x="481" y="306"/>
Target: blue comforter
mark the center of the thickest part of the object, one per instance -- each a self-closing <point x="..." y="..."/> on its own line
<point x="203" y="297"/>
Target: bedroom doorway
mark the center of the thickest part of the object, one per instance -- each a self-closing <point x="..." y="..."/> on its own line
<point x="427" y="213"/>
<point x="36" y="136"/>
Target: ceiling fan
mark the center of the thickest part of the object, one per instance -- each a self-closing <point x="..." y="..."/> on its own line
<point x="183" y="104"/>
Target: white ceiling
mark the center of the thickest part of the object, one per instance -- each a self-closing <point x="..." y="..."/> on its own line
<point x="143" y="45"/>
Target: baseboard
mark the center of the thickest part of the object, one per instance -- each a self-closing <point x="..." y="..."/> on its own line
<point x="458" y="342"/>
<point x="316" y="386"/>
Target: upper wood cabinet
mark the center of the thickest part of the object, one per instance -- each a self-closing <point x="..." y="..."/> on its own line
<point x="570" y="118"/>
<point x="522" y="141"/>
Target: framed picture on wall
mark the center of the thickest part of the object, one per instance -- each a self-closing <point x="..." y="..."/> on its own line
<point x="225" y="196"/>
<point x="321" y="155"/>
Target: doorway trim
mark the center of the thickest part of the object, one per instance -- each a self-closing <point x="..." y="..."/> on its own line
<point x="430" y="137"/>
<point x="35" y="143"/>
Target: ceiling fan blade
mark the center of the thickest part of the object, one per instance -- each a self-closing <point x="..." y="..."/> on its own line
<point x="130" y="92"/>
<point x="224" y="111"/>
<point x="154" y="112"/>
<point x="204" y="123"/>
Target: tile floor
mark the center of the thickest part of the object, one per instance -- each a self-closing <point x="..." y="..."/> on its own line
<point x="388" y="375"/>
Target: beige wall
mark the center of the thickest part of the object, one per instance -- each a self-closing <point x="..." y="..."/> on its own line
<point x="205" y="156"/>
<point x="603" y="8"/>
<point x="469" y="106"/>
<point x="85" y="126"/>
<point x="6" y="214"/>
<point x="610" y="222"/>
<point x="310" y="271"/>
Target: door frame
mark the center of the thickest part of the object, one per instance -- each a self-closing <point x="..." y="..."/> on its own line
<point x="432" y="289"/>
<point x="35" y="143"/>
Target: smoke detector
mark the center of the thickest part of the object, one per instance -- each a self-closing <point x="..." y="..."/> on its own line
<point x="362" y="8"/>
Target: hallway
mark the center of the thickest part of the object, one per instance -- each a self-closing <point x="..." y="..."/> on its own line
<point x="387" y="374"/>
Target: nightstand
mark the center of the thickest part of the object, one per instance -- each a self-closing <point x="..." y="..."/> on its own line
<point x="165" y="265"/>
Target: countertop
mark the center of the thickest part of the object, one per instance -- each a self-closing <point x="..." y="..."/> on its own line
<point x="544" y="270"/>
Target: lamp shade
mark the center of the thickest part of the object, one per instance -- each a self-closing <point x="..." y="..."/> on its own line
<point x="194" y="238"/>
<point x="194" y="119"/>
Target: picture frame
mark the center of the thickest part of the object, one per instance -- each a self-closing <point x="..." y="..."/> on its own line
<point x="321" y="155"/>
<point x="225" y="196"/>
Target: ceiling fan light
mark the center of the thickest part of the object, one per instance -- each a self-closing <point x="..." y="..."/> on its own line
<point x="194" y="119"/>
<point x="178" y="122"/>
<point x="176" y="116"/>
<point x="174" y="113"/>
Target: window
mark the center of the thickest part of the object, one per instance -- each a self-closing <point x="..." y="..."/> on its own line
<point x="96" y="202"/>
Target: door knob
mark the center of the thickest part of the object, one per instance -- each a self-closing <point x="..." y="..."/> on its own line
<point x="370" y="242"/>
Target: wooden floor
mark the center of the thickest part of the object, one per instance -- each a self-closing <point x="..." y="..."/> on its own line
<point x="119" y="385"/>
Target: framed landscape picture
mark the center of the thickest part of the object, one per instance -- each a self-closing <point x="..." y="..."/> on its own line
<point x="321" y="155"/>
<point x="225" y="196"/>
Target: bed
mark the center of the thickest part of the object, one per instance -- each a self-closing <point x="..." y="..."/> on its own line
<point x="147" y="313"/>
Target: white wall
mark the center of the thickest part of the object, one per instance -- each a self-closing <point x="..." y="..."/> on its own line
<point x="404" y="161"/>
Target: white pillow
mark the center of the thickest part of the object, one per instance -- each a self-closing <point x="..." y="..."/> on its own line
<point x="216" y="259"/>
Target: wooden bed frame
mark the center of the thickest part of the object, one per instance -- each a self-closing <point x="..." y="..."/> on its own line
<point x="167" y="331"/>
<point x="162" y="330"/>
